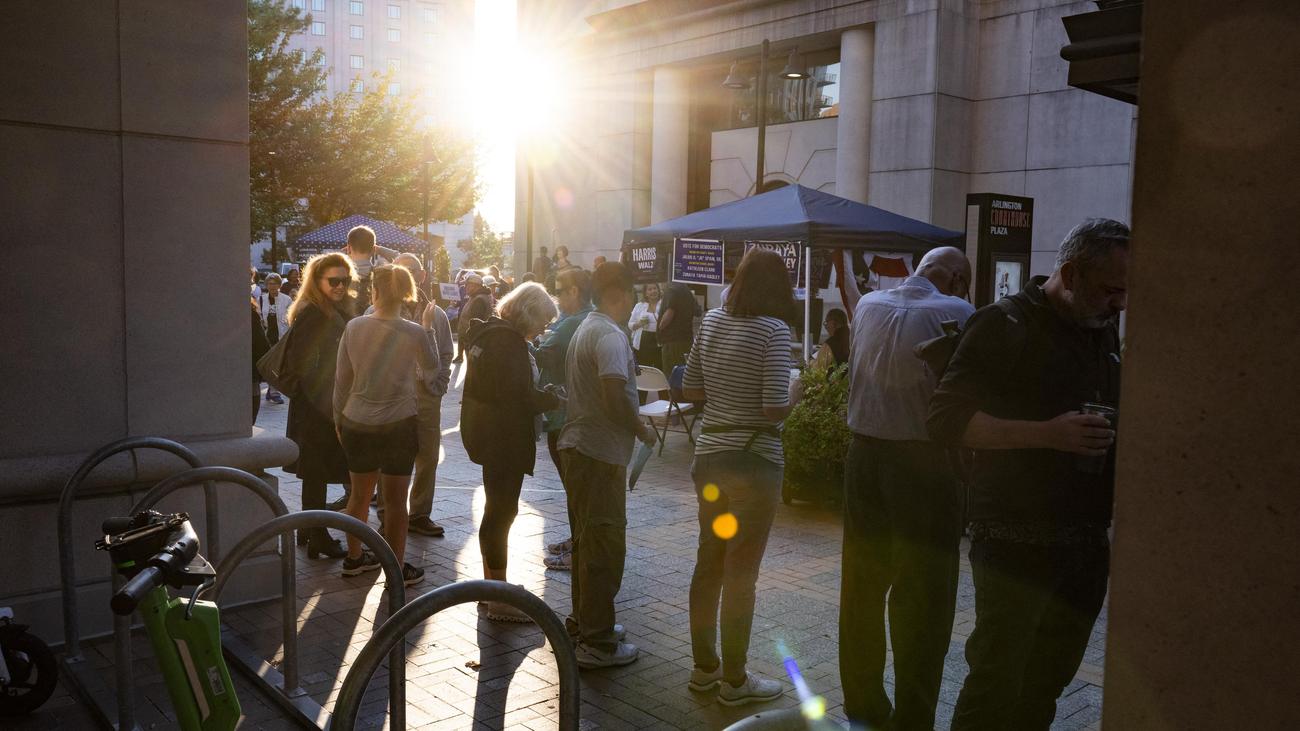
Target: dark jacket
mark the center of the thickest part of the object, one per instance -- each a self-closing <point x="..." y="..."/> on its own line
<point x="1032" y="371"/>
<point x="501" y="401"/>
<point x="552" y="358"/>
<point x="260" y="343"/>
<point x="312" y="358"/>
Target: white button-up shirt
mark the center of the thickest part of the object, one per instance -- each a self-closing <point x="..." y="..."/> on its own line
<point x="889" y="386"/>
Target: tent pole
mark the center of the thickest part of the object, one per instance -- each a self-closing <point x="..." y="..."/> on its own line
<point x="807" y="303"/>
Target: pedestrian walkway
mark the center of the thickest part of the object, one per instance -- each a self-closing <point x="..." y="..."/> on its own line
<point x="465" y="672"/>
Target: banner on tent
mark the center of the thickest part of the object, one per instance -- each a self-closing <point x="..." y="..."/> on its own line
<point x="647" y="264"/>
<point x="698" y="261"/>
<point x="791" y="252"/>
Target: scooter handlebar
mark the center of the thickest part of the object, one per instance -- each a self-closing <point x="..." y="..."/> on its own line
<point x="128" y="597"/>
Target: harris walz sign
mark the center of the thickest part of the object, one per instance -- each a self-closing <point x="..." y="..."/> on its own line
<point x="648" y="263"/>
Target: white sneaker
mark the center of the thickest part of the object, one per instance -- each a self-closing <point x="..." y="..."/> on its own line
<point x="589" y="657"/>
<point x="755" y="689"/>
<point x="702" y="681"/>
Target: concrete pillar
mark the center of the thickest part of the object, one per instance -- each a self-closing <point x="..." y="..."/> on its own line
<point x="853" y="136"/>
<point x="1204" y="593"/>
<point x="669" y="144"/>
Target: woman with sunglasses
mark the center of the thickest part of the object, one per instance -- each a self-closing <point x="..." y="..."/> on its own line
<point x="318" y="317"/>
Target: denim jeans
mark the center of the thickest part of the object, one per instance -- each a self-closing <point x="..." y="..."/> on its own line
<point x="902" y="537"/>
<point x="1034" y="610"/>
<point x="598" y="503"/>
<point x="726" y="567"/>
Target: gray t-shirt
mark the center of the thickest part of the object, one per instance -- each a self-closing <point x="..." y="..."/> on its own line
<point x="382" y="365"/>
<point x="600" y="349"/>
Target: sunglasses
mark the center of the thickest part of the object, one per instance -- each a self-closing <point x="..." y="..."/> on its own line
<point x="338" y="281"/>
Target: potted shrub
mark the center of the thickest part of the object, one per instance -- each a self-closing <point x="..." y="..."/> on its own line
<point x="817" y="436"/>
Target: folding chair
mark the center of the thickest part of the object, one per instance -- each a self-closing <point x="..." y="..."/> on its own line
<point x="677" y="402"/>
<point x="651" y="381"/>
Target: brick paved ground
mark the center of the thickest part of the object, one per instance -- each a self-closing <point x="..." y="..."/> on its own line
<point x="466" y="672"/>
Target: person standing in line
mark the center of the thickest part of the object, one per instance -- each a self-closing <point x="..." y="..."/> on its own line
<point x="319" y="316"/>
<point x="260" y="346"/>
<point x="1034" y="394"/>
<point x="740" y="368"/>
<point x="597" y="260"/>
<point x="383" y="362"/>
<point x="573" y="295"/>
<point x="366" y="254"/>
<point x="292" y="281"/>
<point x="274" y="307"/>
<point x="478" y="306"/>
<point x="595" y="447"/>
<point x="434" y="320"/>
<point x="501" y="419"/>
<point x="644" y="326"/>
<point x="902" y="503"/>
<point x="676" y="325"/>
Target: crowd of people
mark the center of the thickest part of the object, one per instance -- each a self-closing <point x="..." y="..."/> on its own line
<point x="1008" y="438"/>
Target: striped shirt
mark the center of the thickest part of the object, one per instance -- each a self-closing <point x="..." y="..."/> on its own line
<point x="743" y="364"/>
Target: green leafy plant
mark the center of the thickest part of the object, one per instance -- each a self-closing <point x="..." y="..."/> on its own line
<point x="817" y="436"/>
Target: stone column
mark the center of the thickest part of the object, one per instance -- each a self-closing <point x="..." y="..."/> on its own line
<point x="853" y="135"/>
<point x="669" y="144"/>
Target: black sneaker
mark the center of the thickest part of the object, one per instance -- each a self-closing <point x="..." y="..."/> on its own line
<point x="363" y="563"/>
<point x="411" y="575"/>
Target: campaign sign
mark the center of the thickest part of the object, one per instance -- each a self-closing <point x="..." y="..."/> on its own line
<point x="449" y="292"/>
<point x="791" y="252"/>
<point x="698" y="261"/>
<point x="646" y="263"/>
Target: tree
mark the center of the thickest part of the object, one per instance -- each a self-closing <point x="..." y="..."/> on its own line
<point x="441" y="266"/>
<point x="283" y="129"/>
<point x="374" y="158"/>
<point x="485" y="248"/>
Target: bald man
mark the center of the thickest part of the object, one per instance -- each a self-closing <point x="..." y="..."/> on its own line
<point x="902" y="512"/>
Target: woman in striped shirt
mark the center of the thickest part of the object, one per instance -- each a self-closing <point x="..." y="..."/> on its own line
<point x="740" y="367"/>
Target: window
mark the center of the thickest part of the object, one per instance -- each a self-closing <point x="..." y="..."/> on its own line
<point x="357" y="86"/>
<point x="430" y="39"/>
<point x="394" y="35"/>
<point x="395" y="12"/>
<point x="357" y="8"/>
<point x="320" y="61"/>
<point x="788" y="100"/>
<point x="357" y="32"/>
<point x="394" y="89"/>
<point x="298" y="4"/>
<point x="318" y="5"/>
<point x="430" y="15"/>
<point x="394" y="65"/>
<point x="317" y="28"/>
<point x="357" y="62"/>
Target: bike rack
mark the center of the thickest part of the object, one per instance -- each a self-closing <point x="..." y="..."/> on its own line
<point x="73" y="660"/>
<point x="394" y="631"/>
<point x="293" y="698"/>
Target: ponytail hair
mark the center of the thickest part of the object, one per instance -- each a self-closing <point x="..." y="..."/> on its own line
<point x="391" y="285"/>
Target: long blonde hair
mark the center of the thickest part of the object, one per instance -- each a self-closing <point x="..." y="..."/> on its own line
<point x="309" y="290"/>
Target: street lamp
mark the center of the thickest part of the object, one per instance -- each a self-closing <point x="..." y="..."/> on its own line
<point x="793" y="70"/>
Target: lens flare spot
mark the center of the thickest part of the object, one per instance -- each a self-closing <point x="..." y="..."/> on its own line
<point x="564" y="198"/>
<point x="711" y="493"/>
<point x="814" y="709"/>
<point x="725" y="526"/>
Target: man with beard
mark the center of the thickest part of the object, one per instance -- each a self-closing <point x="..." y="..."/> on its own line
<point x="1034" y="394"/>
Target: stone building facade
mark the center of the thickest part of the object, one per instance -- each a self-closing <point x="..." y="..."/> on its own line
<point x="912" y="105"/>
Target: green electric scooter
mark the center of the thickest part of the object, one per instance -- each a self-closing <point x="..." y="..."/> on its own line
<point x="154" y="551"/>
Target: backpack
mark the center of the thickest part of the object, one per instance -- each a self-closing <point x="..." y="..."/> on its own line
<point x="938" y="352"/>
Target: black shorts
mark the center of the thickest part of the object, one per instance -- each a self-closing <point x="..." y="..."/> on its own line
<point x="387" y="448"/>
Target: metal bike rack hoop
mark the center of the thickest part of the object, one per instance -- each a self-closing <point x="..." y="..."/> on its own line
<point x="392" y="568"/>
<point x="125" y="710"/>
<point x="394" y="631"/>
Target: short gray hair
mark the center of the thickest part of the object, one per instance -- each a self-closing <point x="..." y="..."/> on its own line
<point x="1091" y="241"/>
<point x="415" y="268"/>
<point x="273" y="277"/>
<point x="528" y="308"/>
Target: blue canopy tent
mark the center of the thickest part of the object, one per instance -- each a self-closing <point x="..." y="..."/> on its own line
<point x="334" y="236"/>
<point x="798" y="214"/>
